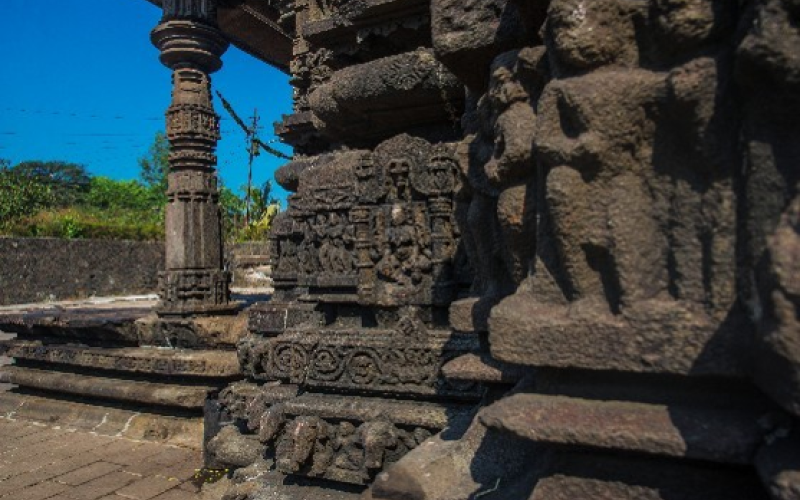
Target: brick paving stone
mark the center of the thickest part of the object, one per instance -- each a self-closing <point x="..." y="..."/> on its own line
<point x="153" y="465"/>
<point x="38" y="456"/>
<point x="57" y="464"/>
<point x="170" y="462"/>
<point x="46" y="442"/>
<point x="118" y="446"/>
<point x="43" y="434"/>
<point x="40" y="491"/>
<point x="99" y="487"/>
<point x="190" y="487"/>
<point x="182" y="471"/>
<point x="68" y="447"/>
<point x="147" y="488"/>
<point x="142" y="452"/>
<point x="15" y="430"/>
<point x="176" y="494"/>
<point x="44" y="473"/>
<point x="87" y="473"/>
<point x="144" y="468"/>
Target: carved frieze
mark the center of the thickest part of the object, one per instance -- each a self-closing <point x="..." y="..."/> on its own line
<point x="341" y="450"/>
<point x="406" y="359"/>
<point x="192" y="121"/>
<point x="190" y="289"/>
<point x="342" y="439"/>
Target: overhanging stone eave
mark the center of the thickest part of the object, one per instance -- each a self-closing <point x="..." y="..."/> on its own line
<point x="254" y="31"/>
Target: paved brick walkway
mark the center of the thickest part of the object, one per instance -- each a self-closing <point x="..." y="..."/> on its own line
<point x="39" y="462"/>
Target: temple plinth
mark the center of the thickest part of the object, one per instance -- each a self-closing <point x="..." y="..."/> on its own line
<point x="194" y="281"/>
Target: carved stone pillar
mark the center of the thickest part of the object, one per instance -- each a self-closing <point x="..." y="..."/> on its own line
<point x="194" y="281"/>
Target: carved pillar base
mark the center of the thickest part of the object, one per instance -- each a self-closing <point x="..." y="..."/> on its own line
<point x="194" y="291"/>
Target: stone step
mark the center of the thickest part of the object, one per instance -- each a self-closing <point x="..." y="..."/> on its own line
<point x="482" y="367"/>
<point x="104" y="420"/>
<point x="100" y="322"/>
<point x="724" y="436"/>
<point x="105" y="388"/>
<point x="155" y="361"/>
<point x="778" y="464"/>
<point x="572" y="476"/>
<point x="252" y="260"/>
<point x="657" y="337"/>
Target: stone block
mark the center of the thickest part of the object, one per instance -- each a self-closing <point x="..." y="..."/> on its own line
<point x="630" y="427"/>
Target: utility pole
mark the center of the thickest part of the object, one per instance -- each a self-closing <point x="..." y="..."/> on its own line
<point x="252" y="147"/>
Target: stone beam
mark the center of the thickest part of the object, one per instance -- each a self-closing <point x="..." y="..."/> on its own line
<point x="254" y="27"/>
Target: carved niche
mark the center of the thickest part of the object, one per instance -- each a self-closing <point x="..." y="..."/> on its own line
<point x="406" y="235"/>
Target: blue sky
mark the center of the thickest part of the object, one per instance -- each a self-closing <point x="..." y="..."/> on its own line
<point x="81" y="82"/>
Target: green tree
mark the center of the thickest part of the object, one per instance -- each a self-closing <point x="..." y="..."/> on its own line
<point x="154" y="166"/>
<point x="21" y="196"/>
<point x="263" y="209"/>
<point x="68" y="182"/>
<point x="109" y="194"/>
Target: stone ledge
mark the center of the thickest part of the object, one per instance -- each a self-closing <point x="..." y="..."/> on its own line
<point x="190" y="397"/>
<point x="662" y="337"/>
<point x="482" y="368"/>
<point x="107" y="323"/>
<point x="359" y="15"/>
<point x="134" y="360"/>
<point x="630" y="427"/>
<point x="571" y="476"/>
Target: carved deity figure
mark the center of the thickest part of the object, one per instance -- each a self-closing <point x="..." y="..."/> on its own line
<point x="497" y="157"/>
<point x="637" y="201"/>
<point x="405" y="259"/>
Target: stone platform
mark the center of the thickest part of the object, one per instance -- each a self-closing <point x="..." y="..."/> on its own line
<point x="109" y="366"/>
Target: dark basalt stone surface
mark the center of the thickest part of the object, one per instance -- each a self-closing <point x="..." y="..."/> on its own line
<point x="595" y="201"/>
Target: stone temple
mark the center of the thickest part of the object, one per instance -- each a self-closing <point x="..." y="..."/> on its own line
<point x="535" y="250"/>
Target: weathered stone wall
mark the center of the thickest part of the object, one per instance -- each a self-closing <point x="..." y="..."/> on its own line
<point x="613" y="227"/>
<point x="39" y="269"/>
<point x="633" y="224"/>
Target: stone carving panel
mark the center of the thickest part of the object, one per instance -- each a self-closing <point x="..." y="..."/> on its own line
<point x="381" y="222"/>
<point x="406" y="360"/>
<point x="343" y="450"/>
<point x="498" y="165"/>
<point x="768" y="70"/>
